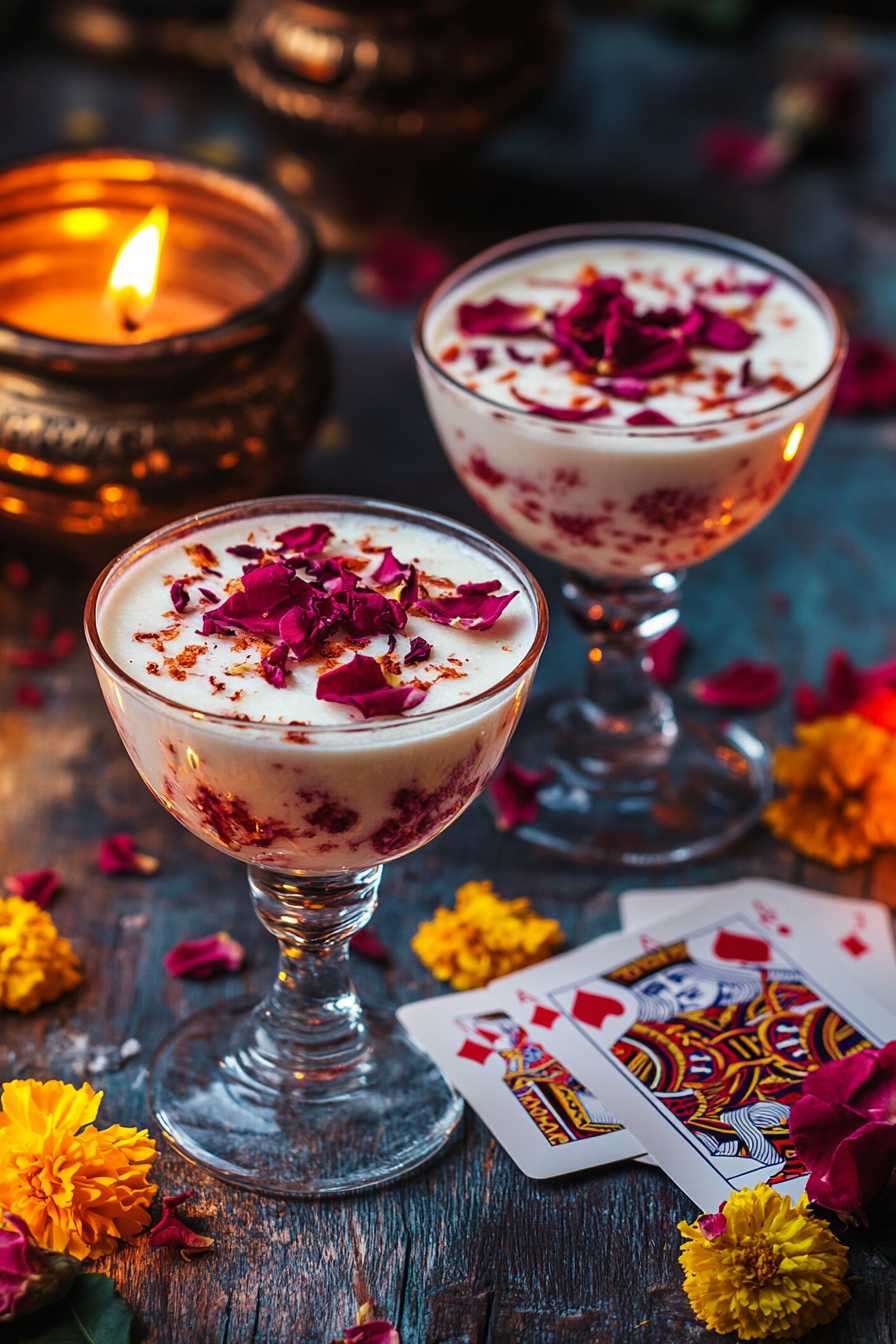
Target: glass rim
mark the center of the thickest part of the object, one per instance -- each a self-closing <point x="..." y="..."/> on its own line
<point x="672" y="233"/>
<point x="296" y="504"/>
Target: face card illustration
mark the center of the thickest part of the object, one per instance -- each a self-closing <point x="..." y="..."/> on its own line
<point x="700" y="1042"/>
<point x="537" y="1110"/>
<point x="857" y="934"/>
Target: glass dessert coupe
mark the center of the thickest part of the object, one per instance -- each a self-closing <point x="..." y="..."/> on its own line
<point x="629" y="399"/>
<point x="304" y="1094"/>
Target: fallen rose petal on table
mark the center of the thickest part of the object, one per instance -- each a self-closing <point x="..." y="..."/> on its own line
<point x="170" y="1231"/>
<point x="665" y="654"/>
<point x="845" y="687"/>
<point x="202" y="957"/>
<point x="369" y="1330"/>
<point x="867" y="384"/>
<point x="117" y="854"/>
<point x="397" y="270"/>
<point x="30" y="696"/>
<point x="742" y="685"/>
<point x="30" y="1277"/>
<point x="60" y="646"/>
<point x="39" y="886"/>
<point x="368" y="945"/>
<point x="514" y="791"/>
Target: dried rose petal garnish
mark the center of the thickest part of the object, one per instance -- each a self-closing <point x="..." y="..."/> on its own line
<point x="742" y="685"/>
<point x="118" y="855"/>
<point x="472" y="607"/>
<point x="363" y="684"/>
<point x="202" y="957"/>
<point x="665" y="654"/>
<point x="308" y="539"/>
<point x="170" y="1231"/>
<point x="514" y="791"/>
<point x="273" y="666"/>
<point x="366" y="942"/>
<point x="418" y="652"/>
<point x="713" y="1225"/>
<point x="575" y="414"/>
<point x="499" y="318"/>
<point x="649" y="417"/>
<point x="39" y="886"/>
<point x="180" y="596"/>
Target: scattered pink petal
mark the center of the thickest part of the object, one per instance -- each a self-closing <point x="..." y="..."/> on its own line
<point x="626" y="389"/>
<point x="472" y="607"/>
<point x="17" y="574"/>
<point x="370" y="946"/>
<point x="30" y="696"/>
<point x="170" y="1231"/>
<point x="633" y="346"/>
<point x="418" y="652"/>
<point x="363" y="684"/>
<point x="118" y="855"/>
<point x="514" y="790"/>
<point x="868" y="382"/>
<point x="308" y="539"/>
<point x="499" y="318"/>
<point x="390" y="570"/>
<point x="369" y="1330"/>
<point x="203" y="957"/>
<point x="180" y="596"/>
<point x="397" y="270"/>
<point x="713" y="1225"/>
<point x="274" y="664"/>
<point x="575" y="414"/>
<point x="30" y="1277"/>
<point x="742" y="685"/>
<point x="246" y="552"/>
<point x="717" y="330"/>
<point x="665" y="654"/>
<point x="60" y="646"/>
<point x="743" y="152"/>
<point x="39" y="886"/>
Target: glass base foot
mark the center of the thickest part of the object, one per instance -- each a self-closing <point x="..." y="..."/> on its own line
<point x="709" y="789"/>
<point x="400" y="1114"/>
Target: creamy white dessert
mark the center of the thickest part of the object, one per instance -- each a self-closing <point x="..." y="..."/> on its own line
<point x="310" y="690"/>
<point x="627" y="406"/>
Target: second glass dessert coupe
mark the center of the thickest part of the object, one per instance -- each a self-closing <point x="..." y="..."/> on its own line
<point x="314" y="685"/>
<point x="629" y="400"/>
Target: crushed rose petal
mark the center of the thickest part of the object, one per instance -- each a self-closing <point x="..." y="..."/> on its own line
<point x="39" y="886"/>
<point x="274" y="666"/>
<point x="514" y="791"/>
<point x="418" y="652"/>
<point x="472" y="607"/>
<point x="649" y="417"/>
<point x="117" y="854"/>
<point x="170" y="1231"/>
<point x="202" y="957"/>
<point x="713" y="1225"/>
<point x="180" y="596"/>
<point x="742" y="685"/>
<point x="574" y="414"/>
<point x="363" y="684"/>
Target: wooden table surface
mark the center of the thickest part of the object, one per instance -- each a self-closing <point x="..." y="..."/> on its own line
<point x="471" y="1251"/>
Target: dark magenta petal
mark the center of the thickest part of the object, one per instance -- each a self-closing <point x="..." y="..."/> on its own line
<point x="207" y="593"/>
<point x="274" y="666"/>
<point x="860" y="1167"/>
<point x="635" y="348"/>
<point x="472" y="607"/>
<point x="332" y="575"/>
<point x="180" y="596"/>
<point x="571" y="413"/>
<point x="117" y="854"/>
<point x="482" y="355"/>
<point x="742" y="685"/>
<point x="389" y="569"/>
<point x="268" y="591"/>
<point x="170" y="1231"/>
<point x="202" y="957"/>
<point x="517" y="356"/>
<point x="39" y="886"/>
<point x="362" y="683"/>
<point x="308" y="539"/>
<point x="397" y="270"/>
<point x="371" y="1332"/>
<point x="498" y="318"/>
<point x="514" y="791"/>
<point x="649" y="417"/>
<point x="626" y="389"/>
<point x="418" y="652"/>
<point x="370" y="946"/>
<point x="300" y="629"/>
<point x="740" y="151"/>
<point x="868" y="382"/>
<point x="246" y="552"/>
<point x="716" y="330"/>
<point x="807" y="703"/>
<point x="367" y="613"/>
<point x="713" y="1225"/>
<point x="30" y="696"/>
<point x="665" y="654"/>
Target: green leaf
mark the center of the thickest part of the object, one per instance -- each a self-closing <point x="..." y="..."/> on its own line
<point x="93" y="1313"/>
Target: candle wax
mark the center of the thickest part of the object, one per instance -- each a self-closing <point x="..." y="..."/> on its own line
<point x="80" y="315"/>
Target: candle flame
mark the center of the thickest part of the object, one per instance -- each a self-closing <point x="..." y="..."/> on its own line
<point x="131" y="288"/>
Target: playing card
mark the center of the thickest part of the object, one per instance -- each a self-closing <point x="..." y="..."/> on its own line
<point x="698" y="1037"/>
<point x="548" y="1123"/>
<point x="858" y="934"/>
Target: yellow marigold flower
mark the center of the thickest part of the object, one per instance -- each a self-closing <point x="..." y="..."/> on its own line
<point x="80" y="1190"/>
<point x="762" y="1268"/>
<point x="483" y="937"/>
<point x="36" y="965"/>
<point x="841" y="803"/>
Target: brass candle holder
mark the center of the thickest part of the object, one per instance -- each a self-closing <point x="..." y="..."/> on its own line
<point x="121" y="411"/>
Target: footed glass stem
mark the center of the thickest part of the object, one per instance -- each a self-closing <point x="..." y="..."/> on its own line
<point x="631" y="782"/>
<point x="303" y="1094"/>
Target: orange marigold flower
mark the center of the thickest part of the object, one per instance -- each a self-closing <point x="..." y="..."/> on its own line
<point x="80" y="1189"/>
<point x="841" y="778"/>
<point x="483" y="937"/>
<point x="36" y="965"/>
